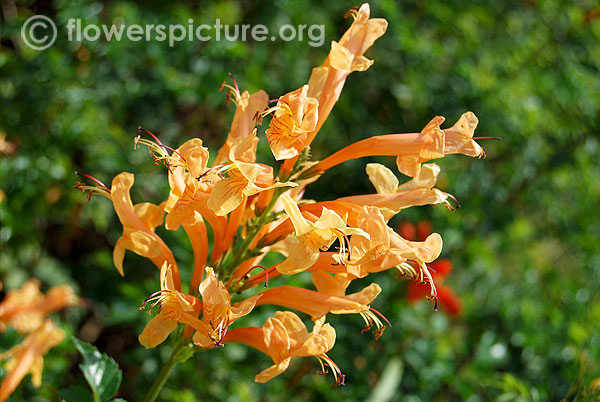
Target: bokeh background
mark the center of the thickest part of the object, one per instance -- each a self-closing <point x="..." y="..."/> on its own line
<point x="524" y="246"/>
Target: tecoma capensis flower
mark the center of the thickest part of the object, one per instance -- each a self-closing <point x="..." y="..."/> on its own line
<point x="412" y="149"/>
<point x="27" y="357"/>
<point x="336" y="285"/>
<point x="313" y="237"/>
<point x="26" y="308"/>
<point x="139" y="223"/>
<point x="293" y="118"/>
<point x="248" y="107"/>
<point x="284" y="336"/>
<point x="346" y="56"/>
<point x="391" y="197"/>
<point x="244" y="179"/>
<point x="238" y="211"/>
<point x="458" y="139"/>
<point x="217" y="310"/>
<point x="173" y="307"/>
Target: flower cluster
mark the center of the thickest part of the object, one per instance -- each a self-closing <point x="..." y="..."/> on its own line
<point x="26" y="310"/>
<point x="252" y="211"/>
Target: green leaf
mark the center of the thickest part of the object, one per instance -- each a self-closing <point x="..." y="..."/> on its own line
<point x="75" y="394"/>
<point x="101" y="372"/>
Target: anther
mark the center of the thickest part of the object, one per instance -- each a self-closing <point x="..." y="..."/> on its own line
<point x="488" y="138"/>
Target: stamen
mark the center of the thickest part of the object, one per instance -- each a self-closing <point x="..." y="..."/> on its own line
<point x="161" y="149"/>
<point x="140" y="128"/>
<point x="232" y="90"/>
<point x="381" y="315"/>
<point x="158" y="295"/>
<point x="98" y="188"/>
<point x="488" y="138"/>
<point x="407" y="270"/>
<point x="237" y="89"/>
<point x="225" y="331"/>
<point x="212" y="169"/>
<point x="323" y="370"/>
<point x="434" y="295"/>
<point x="341" y="237"/>
<point x="353" y="12"/>
<point x="455" y="200"/>
<point x="368" y="323"/>
<point x="337" y="373"/>
<point x="247" y="274"/>
<point x="94" y="179"/>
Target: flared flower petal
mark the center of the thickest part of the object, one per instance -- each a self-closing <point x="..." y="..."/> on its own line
<point x="273" y="371"/>
<point x="244" y="179"/>
<point x="138" y="227"/>
<point x="327" y="81"/>
<point x="283" y="336"/>
<point x="410" y="149"/>
<point x="244" y="122"/>
<point x="294" y="117"/>
<point x="416" y="192"/>
<point x="217" y="310"/>
<point x="157" y="330"/>
<point x="459" y="137"/>
<point x="313" y="237"/>
<point x="174" y="307"/>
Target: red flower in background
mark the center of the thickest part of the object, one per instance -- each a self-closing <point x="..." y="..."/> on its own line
<point x="447" y="299"/>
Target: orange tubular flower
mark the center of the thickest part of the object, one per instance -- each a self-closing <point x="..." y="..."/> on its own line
<point x="174" y="307"/>
<point x="235" y="210"/>
<point x="25" y="309"/>
<point x="346" y="56"/>
<point x="392" y="198"/>
<point x="316" y="304"/>
<point x="294" y="117"/>
<point x="27" y="357"/>
<point x="218" y="312"/>
<point x="244" y="119"/>
<point x="285" y="336"/>
<point x="313" y="237"/>
<point x="412" y="149"/>
<point x="384" y="248"/>
<point x="336" y="286"/>
<point x="244" y="179"/>
<point x="139" y="222"/>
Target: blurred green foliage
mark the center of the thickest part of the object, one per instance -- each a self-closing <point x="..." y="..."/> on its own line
<point x="524" y="245"/>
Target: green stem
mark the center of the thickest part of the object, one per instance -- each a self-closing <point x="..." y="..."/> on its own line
<point x="242" y="253"/>
<point x="159" y="382"/>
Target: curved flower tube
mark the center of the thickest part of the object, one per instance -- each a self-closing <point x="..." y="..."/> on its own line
<point x="392" y="198"/>
<point x="139" y="223"/>
<point x="346" y="56"/>
<point x="412" y="149"/>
